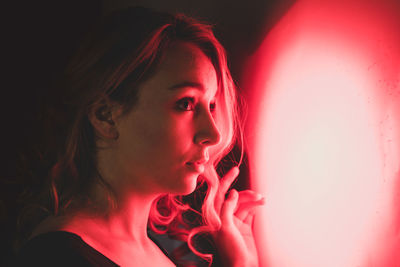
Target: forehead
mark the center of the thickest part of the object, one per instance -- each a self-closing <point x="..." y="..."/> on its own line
<point x="185" y="63"/>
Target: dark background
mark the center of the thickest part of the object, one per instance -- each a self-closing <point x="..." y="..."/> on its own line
<point x="39" y="37"/>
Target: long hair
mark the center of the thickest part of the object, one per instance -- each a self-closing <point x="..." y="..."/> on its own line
<point x="120" y="53"/>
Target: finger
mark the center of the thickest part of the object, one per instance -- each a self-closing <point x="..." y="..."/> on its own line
<point x="229" y="208"/>
<point x="244" y="209"/>
<point x="254" y="201"/>
<point x="227" y="180"/>
<point x="224" y="185"/>
<point x="249" y="220"/>
<point x="249" y="195"/>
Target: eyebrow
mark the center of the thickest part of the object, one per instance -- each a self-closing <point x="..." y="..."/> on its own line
<point x="196" y="85"/>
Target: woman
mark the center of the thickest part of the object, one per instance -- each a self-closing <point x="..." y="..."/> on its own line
<point x="148" y="110"/>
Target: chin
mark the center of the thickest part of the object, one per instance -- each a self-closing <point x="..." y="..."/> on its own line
<point x="186" y="186"/>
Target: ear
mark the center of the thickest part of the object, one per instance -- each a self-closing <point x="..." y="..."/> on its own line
<point x="102" y="116"/>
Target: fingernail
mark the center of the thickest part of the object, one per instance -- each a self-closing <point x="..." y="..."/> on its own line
<point x="236" y="170"/>
<point x="233" y="193"/>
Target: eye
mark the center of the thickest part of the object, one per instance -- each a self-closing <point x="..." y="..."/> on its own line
<point x="186" y="104"/>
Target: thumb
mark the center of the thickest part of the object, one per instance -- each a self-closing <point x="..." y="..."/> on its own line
<point x="229" y="208"/>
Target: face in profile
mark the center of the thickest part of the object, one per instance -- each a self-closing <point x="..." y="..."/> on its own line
<point x="164" y="141"/>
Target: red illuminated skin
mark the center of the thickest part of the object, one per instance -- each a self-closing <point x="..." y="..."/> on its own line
<point x="235" y="240"/>
<point x="166" y="129"/>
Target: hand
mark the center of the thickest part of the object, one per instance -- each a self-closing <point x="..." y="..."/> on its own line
<point x="235" y="240"/>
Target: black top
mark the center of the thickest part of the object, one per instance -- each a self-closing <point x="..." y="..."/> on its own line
<point x="61" y="248"/>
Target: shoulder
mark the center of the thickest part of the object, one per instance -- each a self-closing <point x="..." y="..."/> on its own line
<point x="60" y="248"/>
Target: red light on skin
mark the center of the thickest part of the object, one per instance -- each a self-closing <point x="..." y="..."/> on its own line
<point x="196" y="167"/>
<point x="325" y="136"/>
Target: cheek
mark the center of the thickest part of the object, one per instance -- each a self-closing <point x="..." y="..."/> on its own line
<point x="180" y="130"/>
<point x="162" y="139"/>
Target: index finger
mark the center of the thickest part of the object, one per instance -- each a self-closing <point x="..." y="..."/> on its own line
<point x="228" y="179"/>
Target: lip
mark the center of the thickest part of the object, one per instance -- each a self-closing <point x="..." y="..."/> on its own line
<point x="200" y="159"/>
<point x="197" y="166"/>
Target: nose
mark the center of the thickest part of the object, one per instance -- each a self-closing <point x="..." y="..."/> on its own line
<point x="208" y="133"/>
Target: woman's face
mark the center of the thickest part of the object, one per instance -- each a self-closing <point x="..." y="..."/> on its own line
<point x="164" y="140"/>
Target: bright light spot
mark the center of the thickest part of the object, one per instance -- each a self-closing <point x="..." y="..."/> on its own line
<point x="325" y="151"/>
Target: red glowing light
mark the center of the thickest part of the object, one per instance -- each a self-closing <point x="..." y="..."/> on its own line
<point x="325" y="136"/>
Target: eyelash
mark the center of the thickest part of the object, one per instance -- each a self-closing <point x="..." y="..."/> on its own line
<point x="191" y="102"/>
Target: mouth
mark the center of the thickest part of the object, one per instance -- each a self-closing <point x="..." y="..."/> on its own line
<point x="196" y="166"/>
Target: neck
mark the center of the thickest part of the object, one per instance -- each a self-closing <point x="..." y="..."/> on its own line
<point x="126" y="224"/>
<point x="120" y="235"/>
<point x="120" y="227"/>
<point x="127" y="221"/>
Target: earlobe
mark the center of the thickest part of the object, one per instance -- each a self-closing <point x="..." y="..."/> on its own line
<point x="102" y="117"/>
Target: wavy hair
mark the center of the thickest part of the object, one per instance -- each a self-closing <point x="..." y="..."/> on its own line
<point x="120" y="53"/>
